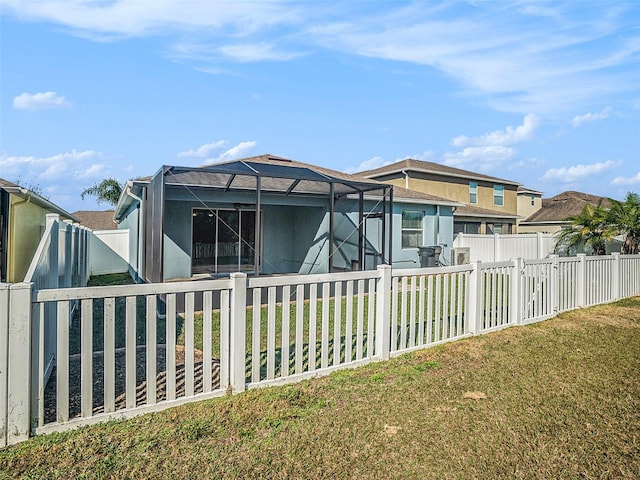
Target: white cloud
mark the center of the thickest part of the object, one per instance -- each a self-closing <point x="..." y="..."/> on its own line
<point x="239" y="151"/>
<point x="577" y="172"/>
<point x="378" y="161"/>
<point x="371" y="164"/>
<point x="508" y="136"/>
<point x="131" y="18"/>
<point x="481" y="158"/>
<point x="635" y="180"/>
<point x="590" y="117"/>
<point x="60" y="165"/>
<point x="258" y="52"/>
<point x="39" y="101"/>
<point x="94" y="171"/>
<point x="519" y="60"/>
<point x="204" y="151"/>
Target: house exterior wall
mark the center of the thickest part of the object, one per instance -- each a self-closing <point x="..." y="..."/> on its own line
<point x="525" y="207"/>
<point x="26" y="224"/>
<point x="455" y="188"/>
<point x="542" y="228"/>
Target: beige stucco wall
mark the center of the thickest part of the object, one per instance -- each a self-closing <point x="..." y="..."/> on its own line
<point x="525" y="209"/>
<point x="457" y="189"/>
<point x="26" y="225"/>
<point x="539" y="228"/>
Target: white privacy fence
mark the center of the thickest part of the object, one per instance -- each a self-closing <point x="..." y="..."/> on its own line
<point x="121" y="351"/>
<point x="500" y="247"/>
<point x="62" y="256"/>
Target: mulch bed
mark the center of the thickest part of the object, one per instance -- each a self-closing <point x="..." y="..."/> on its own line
<point x="50" y="408"/>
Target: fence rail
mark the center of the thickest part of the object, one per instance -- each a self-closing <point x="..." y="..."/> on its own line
<point x="109" y="352"/>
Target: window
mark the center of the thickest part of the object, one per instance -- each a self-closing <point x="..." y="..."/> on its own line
<point x="498" y="195"/>
<point x="411" y="229"/>
<point x="473" y="192"/>
<point x="533" y="200"/>
<point x="466" y="227"/>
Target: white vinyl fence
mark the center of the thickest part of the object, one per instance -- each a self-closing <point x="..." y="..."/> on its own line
<point x="500" y="247"/>
<point x="62" y="256"/>
<point x="132" y="349"/>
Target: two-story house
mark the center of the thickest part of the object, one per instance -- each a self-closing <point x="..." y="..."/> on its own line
<point x="490" y="203"/>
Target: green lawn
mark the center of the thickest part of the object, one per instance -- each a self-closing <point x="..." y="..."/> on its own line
<point x="558" y="399"/>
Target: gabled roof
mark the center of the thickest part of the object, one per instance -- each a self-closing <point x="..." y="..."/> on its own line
<point x="410" y="164"/>
<point x="278" y="175"/>
<point x="528" y="191"/>
<point x="96" y="220"/>
<point x="35" y="198"/>
<point x="557" y="209"/>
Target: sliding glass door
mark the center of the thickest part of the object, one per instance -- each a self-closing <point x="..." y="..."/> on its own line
<point x="223" y="241"/>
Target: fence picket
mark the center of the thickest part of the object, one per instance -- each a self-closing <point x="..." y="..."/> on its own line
<point x="109" y="355"/>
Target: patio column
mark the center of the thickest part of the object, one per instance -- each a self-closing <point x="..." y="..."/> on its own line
<point x="257" y="227"/>
<point x="360" y="226"/>
<point x="331" y="225"/>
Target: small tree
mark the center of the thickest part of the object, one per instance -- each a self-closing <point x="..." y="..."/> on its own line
<point x="624" y="218"/>
<point x="108" y="190"/>
<point x="590" y="228"/>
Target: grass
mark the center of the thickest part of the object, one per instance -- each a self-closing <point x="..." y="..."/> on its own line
<point x="558" y="399"/>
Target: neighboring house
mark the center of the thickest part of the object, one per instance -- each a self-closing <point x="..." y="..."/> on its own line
<point x="488" y="204"/>
<point x="271" y="215"/>
<point x="22" y="222"/>
<point x="555" y="211"/>
<point x="529" y="202"/>
<point x="96" y="220"/>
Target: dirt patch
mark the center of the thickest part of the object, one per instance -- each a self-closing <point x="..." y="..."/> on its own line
<point x="75" y="399"/>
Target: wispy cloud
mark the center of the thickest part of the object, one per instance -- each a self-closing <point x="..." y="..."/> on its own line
<point x="237" y="151"/>
<point x="40" y="101"/>
<point x="635" y="180"/>
<point x="519" y="59"/>
<point x="132" y="18"/>
<point x="258" y="52"/>
<point x="508" y="136"/>
<point x="204" y="151"/>
<point x="590" y="117"/>
<point x="484" y="159"/>
<point x="578" y="172"/>
<point x="378" y="161"/>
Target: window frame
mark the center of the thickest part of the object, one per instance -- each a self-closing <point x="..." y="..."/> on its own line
<point x="473" y="193"/>
<point x="412" y="229"/>
<point x="498" y="193"/>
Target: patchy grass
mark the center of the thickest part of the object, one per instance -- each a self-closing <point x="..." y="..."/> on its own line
<point x="558" y="399"/>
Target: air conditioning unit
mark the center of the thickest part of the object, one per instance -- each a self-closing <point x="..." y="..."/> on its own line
<point x="461" y="256"/>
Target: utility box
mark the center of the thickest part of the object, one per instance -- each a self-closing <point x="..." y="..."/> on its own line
<point x="429" y="255"/>
<point x="461" y="255"/>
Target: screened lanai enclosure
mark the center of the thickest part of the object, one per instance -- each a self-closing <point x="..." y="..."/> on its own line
<point x="261" y="215"/>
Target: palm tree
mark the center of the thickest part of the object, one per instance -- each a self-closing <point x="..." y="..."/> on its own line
<point x="108" y="190"/>
<point x="624" y="219"/>
<point x="590" y="228"/>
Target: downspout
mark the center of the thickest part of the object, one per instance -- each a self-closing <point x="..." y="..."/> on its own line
<point x="140" y="259"/>
<point x="406" y="179"/>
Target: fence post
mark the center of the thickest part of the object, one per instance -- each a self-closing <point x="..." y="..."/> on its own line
<point x="238" y="332"/>
<point x="539" y="246"/>
<point x="554" y="284"/>
<point x="4" y="359"/>
<point x="514" y="294"/>
<point x="383" y="314"/>
<point x="475" y="318"/>
<point x="68" y="254"/>
<point x="19" y="363"/>
<point x="581" y="280"/>
<point x="616" y="280"/>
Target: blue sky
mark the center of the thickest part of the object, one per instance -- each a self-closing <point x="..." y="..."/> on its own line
<point x="543" y="93"/>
